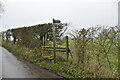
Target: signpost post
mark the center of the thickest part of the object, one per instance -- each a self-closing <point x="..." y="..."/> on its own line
<point x="55" y="22"/>
<point x="54" y="42"/>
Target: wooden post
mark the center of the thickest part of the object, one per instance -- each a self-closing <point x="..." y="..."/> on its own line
<point x="44" y="40"/>
<point x="67" y="47"/>
<point x="3" y="36"/>
<point x="14" y="40"/>
<point x="54" y="42"/>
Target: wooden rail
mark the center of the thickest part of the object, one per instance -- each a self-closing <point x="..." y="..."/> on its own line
<point x="60" y="49"/>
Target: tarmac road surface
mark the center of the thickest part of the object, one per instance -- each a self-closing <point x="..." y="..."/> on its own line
<point x="12" y="67"/>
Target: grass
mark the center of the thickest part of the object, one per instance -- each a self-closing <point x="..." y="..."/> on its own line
<point x="70" y="68"/>
<point x="65" y="69"/>
<point x="94" y="48"/>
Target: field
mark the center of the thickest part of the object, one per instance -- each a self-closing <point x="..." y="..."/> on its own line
<point x="71" y="68"/>
<point x="92" y="53"/>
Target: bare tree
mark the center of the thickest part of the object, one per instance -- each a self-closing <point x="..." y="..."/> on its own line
<point x="1" y="8"/>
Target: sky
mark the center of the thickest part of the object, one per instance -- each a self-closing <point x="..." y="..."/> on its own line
<point x="80" y="13"/>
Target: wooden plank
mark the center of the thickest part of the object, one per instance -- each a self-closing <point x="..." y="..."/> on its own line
<point x="57" y="50"/>
<point x="52" y="47"/>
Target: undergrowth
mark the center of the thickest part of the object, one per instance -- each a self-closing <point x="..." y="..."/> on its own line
<point x="65" y="68"/>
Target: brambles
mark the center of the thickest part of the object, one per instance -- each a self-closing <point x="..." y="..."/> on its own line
<point x="96" y="50"/>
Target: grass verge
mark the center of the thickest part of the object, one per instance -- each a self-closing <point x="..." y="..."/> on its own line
<point x="65" y="69"/>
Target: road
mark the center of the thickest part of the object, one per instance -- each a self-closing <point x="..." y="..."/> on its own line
<point x="12" y="67"/>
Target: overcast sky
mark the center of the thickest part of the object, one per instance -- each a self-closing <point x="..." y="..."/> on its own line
<point x="81" y="13"/>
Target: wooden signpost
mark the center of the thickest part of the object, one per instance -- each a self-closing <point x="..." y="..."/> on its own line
<point x="54" y="37"/>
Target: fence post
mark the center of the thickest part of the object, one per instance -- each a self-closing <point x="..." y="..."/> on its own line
<point x="67" y="47"/>
<point x="54" y="43"/>
<point x="44" y="40"/>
